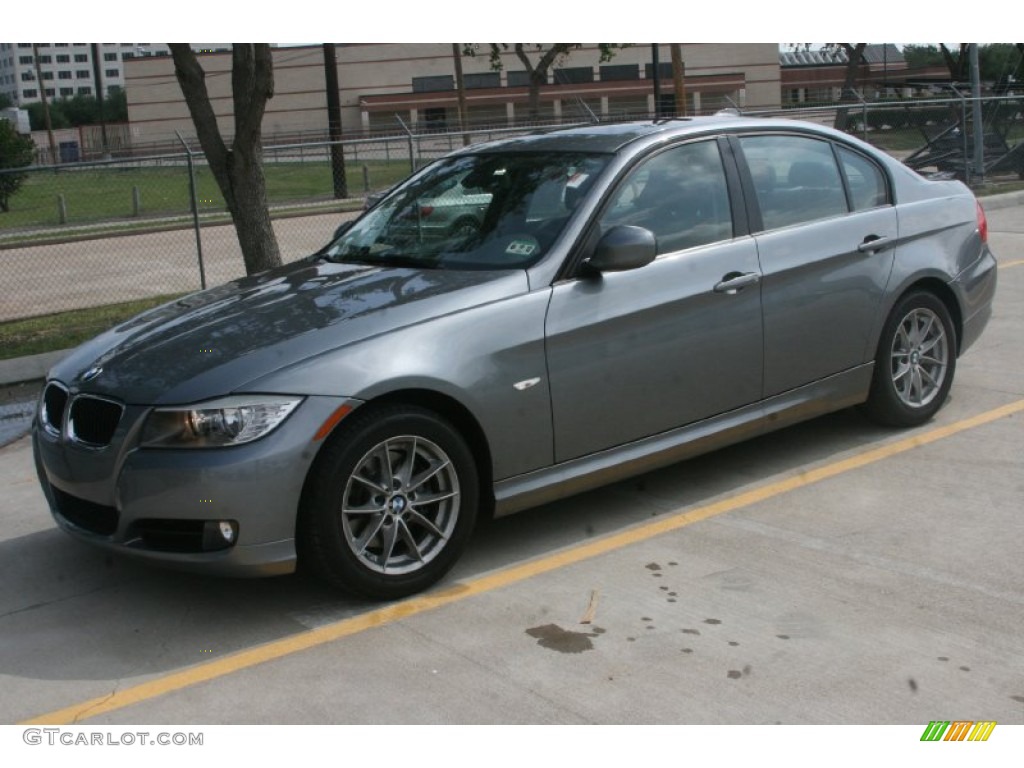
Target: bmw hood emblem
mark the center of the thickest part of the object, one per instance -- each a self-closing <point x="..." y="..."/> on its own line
<point x="92" y="373"/>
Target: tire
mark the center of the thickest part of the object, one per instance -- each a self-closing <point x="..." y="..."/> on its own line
<point x="915" y="362"/>
<point x="465" y="228"/>
<point x="389" y="504"/>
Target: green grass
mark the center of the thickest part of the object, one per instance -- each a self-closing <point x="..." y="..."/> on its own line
<point x="62" y="330"/>
<point x="103" y="194"/>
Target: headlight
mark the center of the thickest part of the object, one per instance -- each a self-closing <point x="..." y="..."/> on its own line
<point x="217" y="423"/>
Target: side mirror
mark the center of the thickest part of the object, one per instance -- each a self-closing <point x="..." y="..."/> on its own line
<point x="622" y="248"/>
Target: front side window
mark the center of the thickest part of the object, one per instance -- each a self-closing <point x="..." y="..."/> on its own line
<point x="796" y="179"/>
<point x="680" y="195"/>
<point x="487" y="211"/>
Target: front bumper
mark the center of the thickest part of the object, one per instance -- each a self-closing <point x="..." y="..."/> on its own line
<point x="153" y="503"/>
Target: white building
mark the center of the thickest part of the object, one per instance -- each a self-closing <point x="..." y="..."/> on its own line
<point x="68" y="69"/>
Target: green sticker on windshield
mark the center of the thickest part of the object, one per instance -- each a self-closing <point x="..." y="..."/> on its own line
<point x="522" y="247"/>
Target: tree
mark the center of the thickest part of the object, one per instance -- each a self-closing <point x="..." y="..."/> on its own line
<point x="537" y="72"/>
<point x="5" y="101"/>
<point x="16" y="151"/>
<point x="854" y="59"/>
<point x="238" y="169"/>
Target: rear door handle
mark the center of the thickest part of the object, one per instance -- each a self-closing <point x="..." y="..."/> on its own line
<point x="874" y="243"/>
<point x="734" y="282"/>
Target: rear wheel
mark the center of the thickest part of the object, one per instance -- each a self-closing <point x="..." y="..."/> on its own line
<point x="915" y="362"/>
<point x="391" y="504"/>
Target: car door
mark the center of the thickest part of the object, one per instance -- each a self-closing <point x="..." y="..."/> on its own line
<point x="635" y="353"/>
<point x="826" y="248"/>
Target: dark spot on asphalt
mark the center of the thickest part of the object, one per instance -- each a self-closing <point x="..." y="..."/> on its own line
<point x="691" y="631"/>
<point x="783" y="637"/>
<point x="672" y="562"/>
<point x="943" y="658"/>
<point x="652" y="567"/>
<point x="598" y="630"/>
<point x="630" y="639"/>
<point x="735" y="674"/>
<point x="1018" y="698"/>
<point x="646" y="618"/>
<point x="747" y="669"/>
<point x="672" y="594"/>
<point x="555" y="638"/>
<point x="664" y="588"/>
<point x="650" y="626"/>
<point x="712" y="621"/>
<point x="733" y="643"/>
<point x="966" y="669"/>
<point x="687" y="650"/>
<point x="671" y="600"/>
<point x="913" y="684"/>
<point x="656" y="575"/>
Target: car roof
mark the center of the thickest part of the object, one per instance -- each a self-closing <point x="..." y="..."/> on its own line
<point x="612" y="137"/>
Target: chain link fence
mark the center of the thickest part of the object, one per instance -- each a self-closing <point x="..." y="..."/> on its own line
<point x="88" y="235"/>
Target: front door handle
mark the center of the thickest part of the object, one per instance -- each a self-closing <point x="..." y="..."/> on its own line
<point x="874" y="243"/>
<point x="734" y="282"/>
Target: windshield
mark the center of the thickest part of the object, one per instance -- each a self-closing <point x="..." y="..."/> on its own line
<point x="488" y="211"/>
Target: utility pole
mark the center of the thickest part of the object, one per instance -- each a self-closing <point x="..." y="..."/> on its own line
<point x="979" y="128"/>
<point x="46" y="105"/>
<point x="678" y="79"/>
<point x="460" y="89"/>
<point x="334" y="122"/>
<point x="96" y="71"/>
<point x="656" y="66"/>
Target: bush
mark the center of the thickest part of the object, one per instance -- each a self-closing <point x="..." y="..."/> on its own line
<point x="16" y="151"/>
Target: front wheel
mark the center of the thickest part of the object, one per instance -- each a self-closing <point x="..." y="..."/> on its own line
<point x="915" y="362"/>
<point x="390" y="504"/>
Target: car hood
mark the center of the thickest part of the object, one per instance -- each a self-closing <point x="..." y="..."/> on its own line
<point x="214" y="342"/>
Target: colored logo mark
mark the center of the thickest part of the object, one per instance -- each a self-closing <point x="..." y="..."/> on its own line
<point x="958" y="730"/>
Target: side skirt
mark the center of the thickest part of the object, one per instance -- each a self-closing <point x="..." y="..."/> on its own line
<point x="585" y="473"/>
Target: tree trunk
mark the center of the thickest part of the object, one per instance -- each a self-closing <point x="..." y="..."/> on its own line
<point x="238" y="170"/>
<point x="678" y="75"/>
<point x="854" y="53"/>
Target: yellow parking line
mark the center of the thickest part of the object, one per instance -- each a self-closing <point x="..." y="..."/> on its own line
<point x="1014" y="263"/>
<point x="502" y="578"/>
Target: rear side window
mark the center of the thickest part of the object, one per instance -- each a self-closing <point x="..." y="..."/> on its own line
<point x="680" y="195"/>
<point x="865" y="179"/>
<point x="796" y="179"/>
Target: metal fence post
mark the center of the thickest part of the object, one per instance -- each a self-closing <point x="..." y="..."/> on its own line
<point x="195" y="210"/>
<point x="412" y="154"/>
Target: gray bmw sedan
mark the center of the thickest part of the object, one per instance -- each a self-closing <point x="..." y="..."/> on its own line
<point x="517" y="322"/>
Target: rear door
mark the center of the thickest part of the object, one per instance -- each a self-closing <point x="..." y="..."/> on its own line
<point x="826" y="249"/>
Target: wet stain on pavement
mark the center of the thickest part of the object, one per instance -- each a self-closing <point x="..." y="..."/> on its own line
<point x="783" y="637"/>
<point x="712" y="621"/>
<point x="553" y="637"/>
<point x="913" y="684"/>
<point x="652" y="567"/>
<point x="943" y="658"/>
<point x="691" y="631"/>
<point x="1018" y="698"/>
<point x="733" y="643"/>
<point x="965" y="669"/>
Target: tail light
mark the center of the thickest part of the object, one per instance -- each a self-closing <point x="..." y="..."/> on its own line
<point x="982" y="224"/>
<point x="426" y="210"/>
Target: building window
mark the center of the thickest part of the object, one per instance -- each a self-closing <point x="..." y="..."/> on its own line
<point x="434" y="83"/>
<point x="29" y="93"/>
<point x="50" y="92"/>
<point x="483" y="80"/>
<point x="85" y="90"/>
<point x="82" y="74"/>
<point x="47" y="75"/>
<point x="24" y="45"/>
<point x="521" y="79"/>
<point x="45" y="59"/>
<point x="65" y="92"/>
<point x="28" y="76"/>
<point x="664" y="70"/>
<point x="81" y="58"/>
<point x="611" y="72"/>
<point x="60" y="45"/>
<point x="110" y="57"/>
<point x="111" y="72"/>
<point x="574" y="75"/>
<point x="63" y="58"/>
<point x="64" y="74"/>
<point x="24" y="59"/>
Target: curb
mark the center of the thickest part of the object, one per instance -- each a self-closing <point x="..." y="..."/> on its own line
<point x="30" y="367"/>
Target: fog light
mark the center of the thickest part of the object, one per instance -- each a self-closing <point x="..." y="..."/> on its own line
<point x="219" y="534"/>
